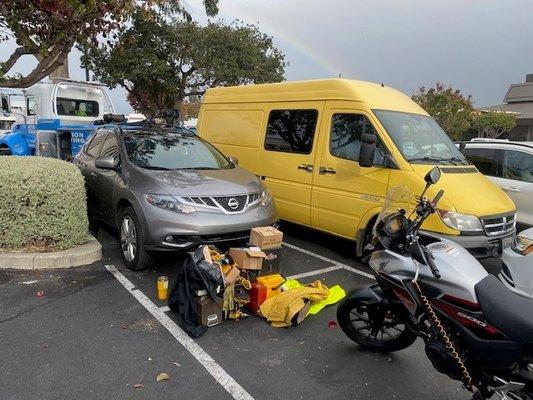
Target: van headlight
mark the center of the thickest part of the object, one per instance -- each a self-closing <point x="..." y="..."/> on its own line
<point x="265" y="198"/>
<point x="523" y="245"/>
<point x="460" y="222"/>
<point x="169" y="203"/>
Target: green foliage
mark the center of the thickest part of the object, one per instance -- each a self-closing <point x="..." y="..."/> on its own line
<point x="49" y="29"/>
<point x="451" y="109"/>
<point x="42" y="203"/>
<point x="494" y="123"/>
<point x="160" y="63"/>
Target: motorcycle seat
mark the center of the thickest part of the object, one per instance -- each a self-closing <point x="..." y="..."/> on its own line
<point x="508" y="312"/>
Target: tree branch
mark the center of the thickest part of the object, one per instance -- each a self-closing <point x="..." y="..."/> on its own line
<point x="8" y="64"/>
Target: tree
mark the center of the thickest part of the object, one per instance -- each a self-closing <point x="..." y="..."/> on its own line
<point x="49" y="29"/>
<point x="451" y="109"/>
<point x="160" y="63"/>
<point x="493" y="124"/>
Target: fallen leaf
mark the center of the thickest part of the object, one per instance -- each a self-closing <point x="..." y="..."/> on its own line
<point x="176" y="364"/>
<point x="163" y="376"/>
<point x="124" y="327"/>
<point x="138" y="386"/>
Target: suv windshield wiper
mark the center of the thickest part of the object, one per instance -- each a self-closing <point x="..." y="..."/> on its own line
<point x="201" y="168"/>
<point x="152" y="167"/>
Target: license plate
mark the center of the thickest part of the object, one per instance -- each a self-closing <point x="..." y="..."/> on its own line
<point x="507" y="242"/>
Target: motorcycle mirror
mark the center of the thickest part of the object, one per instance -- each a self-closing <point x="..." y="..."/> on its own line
<point x="433" y="176"/>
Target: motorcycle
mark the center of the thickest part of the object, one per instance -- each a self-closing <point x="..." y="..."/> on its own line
<point x="475" y="330"/>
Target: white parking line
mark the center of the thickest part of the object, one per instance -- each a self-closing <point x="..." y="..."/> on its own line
<point x="331" y="261"/>
<point x="315" y="272"/>
<point x="216" y="371"/>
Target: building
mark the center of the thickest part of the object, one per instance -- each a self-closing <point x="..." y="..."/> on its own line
<point x="519" y="100"/>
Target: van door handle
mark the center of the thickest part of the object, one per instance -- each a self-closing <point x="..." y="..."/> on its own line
<point x="306" y="167"/>
<point x="512" y="189"/>
<point x="326" y="170"/>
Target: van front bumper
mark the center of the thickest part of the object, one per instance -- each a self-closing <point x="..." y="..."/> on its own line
<point x="480" y="246"/>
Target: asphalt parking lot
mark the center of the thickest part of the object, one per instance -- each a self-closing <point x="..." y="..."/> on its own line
<point x="99" y="330"/>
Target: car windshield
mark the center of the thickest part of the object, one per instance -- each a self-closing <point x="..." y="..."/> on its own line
<point x="419" y="138"/>
<point x="171" y="152"/>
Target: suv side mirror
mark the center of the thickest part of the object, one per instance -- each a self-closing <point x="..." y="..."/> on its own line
<point x="233" y="160"/>
<point x="432" y="176"/>
<point x="106" y="162"/>
<point x="367" y="150"/>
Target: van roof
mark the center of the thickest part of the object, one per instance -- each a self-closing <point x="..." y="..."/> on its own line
<point x="375" y="95"/>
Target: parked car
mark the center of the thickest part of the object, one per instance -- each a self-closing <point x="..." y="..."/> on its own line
<point x="307" y="141"/>
<point x="510" y="166"/>
<point x="517" y="265"/>
<point x="166" y="190"/>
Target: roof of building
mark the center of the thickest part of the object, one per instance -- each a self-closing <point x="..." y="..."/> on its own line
<point x="522" y="110"/>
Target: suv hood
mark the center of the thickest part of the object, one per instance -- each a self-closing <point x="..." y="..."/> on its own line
<point x="469" y="191"/>
<point x="222" y="182"/>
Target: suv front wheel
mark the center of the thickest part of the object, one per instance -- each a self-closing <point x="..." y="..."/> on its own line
<point x="132" y="248"/>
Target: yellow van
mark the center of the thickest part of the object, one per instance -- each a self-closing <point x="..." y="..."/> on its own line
<point x="329" y="150"/>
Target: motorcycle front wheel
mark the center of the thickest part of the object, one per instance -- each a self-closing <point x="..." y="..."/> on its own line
<point x="376" y="327"/>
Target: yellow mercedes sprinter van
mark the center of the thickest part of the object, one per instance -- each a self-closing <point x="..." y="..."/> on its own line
<point x="329" y="150"/>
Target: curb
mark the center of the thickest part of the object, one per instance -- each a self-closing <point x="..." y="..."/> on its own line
<point x="77" y="256"/>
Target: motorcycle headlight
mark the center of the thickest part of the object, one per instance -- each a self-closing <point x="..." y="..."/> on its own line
<point x="461" y="222"/>
<point x="169" y="203"/>
<point x="523" y="245"/>
<point x="266" y="198"/>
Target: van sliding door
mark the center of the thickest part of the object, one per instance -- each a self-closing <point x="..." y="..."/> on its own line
<point x="288" y="157"/>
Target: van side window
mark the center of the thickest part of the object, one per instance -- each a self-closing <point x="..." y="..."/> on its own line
<point x="291" y="131"/>
<point x="345" y="137"/>
<point x="483" y="159"/>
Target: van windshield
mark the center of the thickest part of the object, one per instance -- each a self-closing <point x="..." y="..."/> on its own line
<point x="171" y="152"/>
<point x="419" y="138"/>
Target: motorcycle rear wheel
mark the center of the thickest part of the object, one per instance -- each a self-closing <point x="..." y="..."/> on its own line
<point x="375" y="327"/>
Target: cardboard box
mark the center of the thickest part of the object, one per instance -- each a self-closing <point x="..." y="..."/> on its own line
<point x="247" y="257"/>
<point x="266" y="237"/>
<point x="232" y="274"/>
<point x="209" y="311"/>
<point x="273" y="262"/>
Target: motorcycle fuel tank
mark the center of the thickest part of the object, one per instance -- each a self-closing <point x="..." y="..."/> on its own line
<point x="459" y="270"/>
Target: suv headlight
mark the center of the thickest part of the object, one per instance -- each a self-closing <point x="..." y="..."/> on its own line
<point x="265" y="198"/>
<point x="461" y="222"/>
<point x="523" y="245"/>
<point x="169" y="203"/>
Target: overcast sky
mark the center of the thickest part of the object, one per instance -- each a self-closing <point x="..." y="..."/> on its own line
<point x="478" y="46"/>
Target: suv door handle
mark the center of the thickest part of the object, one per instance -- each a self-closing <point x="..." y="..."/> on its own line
<point x="306" y="167"/>
<point x="326" y="170"/>
<point x="512" y="189"/>
<point x="94" y="174"/>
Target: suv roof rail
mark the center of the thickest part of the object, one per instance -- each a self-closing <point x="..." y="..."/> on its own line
<point x="488" y="140"/>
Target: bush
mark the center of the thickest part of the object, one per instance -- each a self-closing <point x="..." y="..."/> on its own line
<point x="42" y="204"/>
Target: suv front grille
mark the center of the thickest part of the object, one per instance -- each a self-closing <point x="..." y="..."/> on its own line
<point x="227" y="204"/>
<point x="498" y="225"/>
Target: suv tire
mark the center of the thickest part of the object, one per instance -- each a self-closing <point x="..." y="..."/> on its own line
<point x="131" y="240"/>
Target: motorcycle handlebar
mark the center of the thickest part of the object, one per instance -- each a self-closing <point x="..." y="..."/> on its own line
<point x="431" y="263"/>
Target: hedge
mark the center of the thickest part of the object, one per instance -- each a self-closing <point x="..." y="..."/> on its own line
<point x="42" y="204"/>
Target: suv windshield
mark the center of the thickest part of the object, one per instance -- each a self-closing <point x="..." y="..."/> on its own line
<point x="419" y="138"/>
<point x="169" y="152"/>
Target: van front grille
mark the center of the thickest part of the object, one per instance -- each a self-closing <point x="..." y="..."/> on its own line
<point x="497" y="225"/>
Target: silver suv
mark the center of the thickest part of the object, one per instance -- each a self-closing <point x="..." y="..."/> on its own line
<point x="510" y="166"/>
<point x="168" y="190"/>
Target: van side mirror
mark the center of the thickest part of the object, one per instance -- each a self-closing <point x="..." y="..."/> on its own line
<point x="106" y="162"/>
<point x="367" y="150"/>
<point x="233" y="160"/>
<point x="432" y="176"/>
